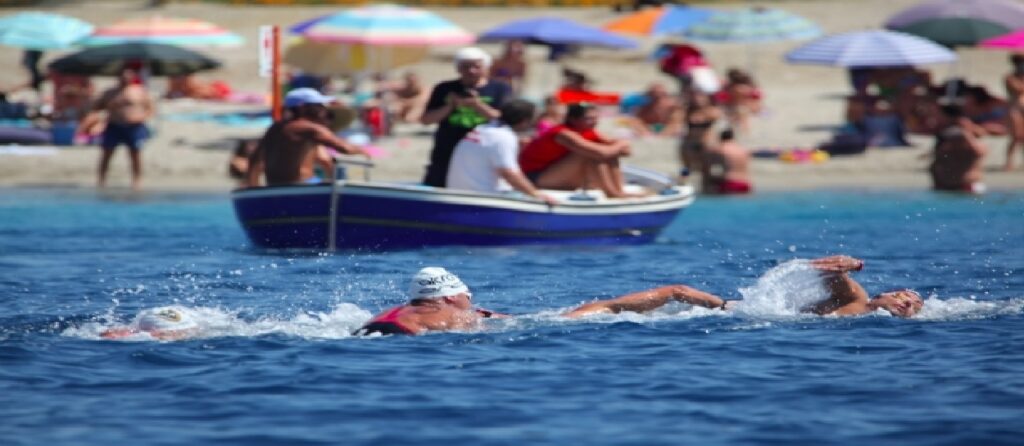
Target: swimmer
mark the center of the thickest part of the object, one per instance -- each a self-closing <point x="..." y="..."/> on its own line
<point x="846" y="296"/>
<point x="163" y="323"/>
<point x="438" y="301"/>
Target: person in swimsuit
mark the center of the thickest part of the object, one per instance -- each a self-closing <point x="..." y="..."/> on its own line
<point x="510" y="68"/>
<point x="290" y="149"/>
<point x="846" y="296"/>
<point x="725" y="167"/>
<point x="127" y="107"/>
<point x="164" y="323"/>
<point x="438" y="301"/>
<point x="700" y="116"/>
<point x="660" y="114"/>
<point x="957" y="162"/>
<point x="1015" y="96"/>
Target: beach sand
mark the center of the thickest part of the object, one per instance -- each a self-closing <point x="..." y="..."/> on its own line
<point x="802" y="103"/>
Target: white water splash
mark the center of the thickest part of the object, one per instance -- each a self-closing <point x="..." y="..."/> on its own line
<point x="784" y="290"/>
<point x="216" y="322"/>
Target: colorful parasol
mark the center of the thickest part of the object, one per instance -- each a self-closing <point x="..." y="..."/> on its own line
<point x="158" y="60"/>
<point x="165" y="30"/>
<point x="383" y="25"/>
<point x="1011" y="41"/>
<point x="753" y="25"/>
<point x="959" y="22"/>
<point x="326" y="59"/>
<point x="659" y="21"/>
<point x="41" y="31"/>
<point x="873" y="48"/>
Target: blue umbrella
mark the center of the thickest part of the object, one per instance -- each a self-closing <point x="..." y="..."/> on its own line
<point x="753" y="25"/>
<point x="873" y="48"/>
<point x="41" y="31"/>
<point x="555" y="31"/>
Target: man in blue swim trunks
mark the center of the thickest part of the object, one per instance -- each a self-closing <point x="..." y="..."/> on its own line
<point x="290" y="149"/>
<point x="128" y="107"/>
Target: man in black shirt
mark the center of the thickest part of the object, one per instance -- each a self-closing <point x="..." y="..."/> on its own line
<point x="458" y="105"/>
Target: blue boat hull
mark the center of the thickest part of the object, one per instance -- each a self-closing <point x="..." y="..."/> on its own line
<point x="381" y="217"/>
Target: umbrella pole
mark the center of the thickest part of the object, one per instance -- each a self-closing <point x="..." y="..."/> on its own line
<point x="275" y="73"/>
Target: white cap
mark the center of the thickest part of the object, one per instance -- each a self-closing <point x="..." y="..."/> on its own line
<point x="472" y="53"/>
<point x="433" y="282"/>
<point x="165" y="318"/>
<point x="303" y="96"/>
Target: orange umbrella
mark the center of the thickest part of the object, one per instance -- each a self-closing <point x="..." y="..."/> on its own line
<point x="658" y="21"/>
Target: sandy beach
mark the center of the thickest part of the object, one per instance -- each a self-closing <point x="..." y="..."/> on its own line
<point x="802" y="103"/>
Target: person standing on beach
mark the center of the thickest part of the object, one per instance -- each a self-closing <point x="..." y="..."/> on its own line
<point x="458" y="105"/>
<point x="725" y="168"/>
<point x="957" y="162"/>
<point x="1014" y="82"/>
<point x="291" y="148"/>
<point x="127" y="107"/>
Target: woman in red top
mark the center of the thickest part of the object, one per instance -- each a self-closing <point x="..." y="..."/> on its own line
<point x="573" y="155"/>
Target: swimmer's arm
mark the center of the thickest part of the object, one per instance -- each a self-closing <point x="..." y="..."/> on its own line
<point x="838" y="264"/>
<point x="488" y="314"/>
<point x="649" y="300"/>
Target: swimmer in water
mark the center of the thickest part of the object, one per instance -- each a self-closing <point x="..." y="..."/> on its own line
<point x="163" y="323"/>
<point x="846" y="296"/>
<point x="438" y="301"/>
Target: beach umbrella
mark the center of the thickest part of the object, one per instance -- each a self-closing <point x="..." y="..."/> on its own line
<point x="1011" y="41"/>
<point x="157" y="59"/>
<point x="41" y="31"/>
<point x="658" y="21"/>
<point x="165" y="30"/>
<point x="555" y="31"/>
<point x="383" y="25"/>
<point x="873" y="48"/>
<point x="326" y="59"/>
<point x="959" y="22"/>
<point x="752" y="25"/>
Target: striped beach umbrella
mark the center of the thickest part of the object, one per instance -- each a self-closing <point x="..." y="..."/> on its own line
<point x="327" y="59"/>
<point x="751" y="25"/>
<point x="383" y="25"/>
<point x="659" y="21"/>
<point x="41" y="31"/>
<point x="873" y="48"/>
<point x="165" y="30"/>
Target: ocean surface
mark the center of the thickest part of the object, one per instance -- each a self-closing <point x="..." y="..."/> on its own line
<point x="274" y="363"/>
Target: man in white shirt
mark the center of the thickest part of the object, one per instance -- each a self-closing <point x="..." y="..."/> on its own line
<point x="485" y="160"/>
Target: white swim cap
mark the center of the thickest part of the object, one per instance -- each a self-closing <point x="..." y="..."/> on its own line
<point x="433" y="282"/>
<point x="472" y="53"/>
<point x="165" y="318"/>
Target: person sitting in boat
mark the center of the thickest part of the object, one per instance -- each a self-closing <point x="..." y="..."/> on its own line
<point x="573" y="155"/>
<point x="438" y="301"/>
<point x="291" y="148"/>
<point x="169" y="323"/>
<point x="725" y="168"/>
<point x="846" y="297"/>
<point x="485" y="159"/>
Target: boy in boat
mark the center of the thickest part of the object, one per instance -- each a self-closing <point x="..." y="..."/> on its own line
<point x="485" y="159"/>
<point x="290" y="148"/>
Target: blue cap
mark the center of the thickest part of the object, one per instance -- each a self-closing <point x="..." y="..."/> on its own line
<point x="303" y="96"/>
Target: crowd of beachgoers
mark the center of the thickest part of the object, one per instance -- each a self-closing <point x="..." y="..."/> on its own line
<point x="691" y="110"/>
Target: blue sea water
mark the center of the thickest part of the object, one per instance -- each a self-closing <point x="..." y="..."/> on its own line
<point x="274" y="362"/>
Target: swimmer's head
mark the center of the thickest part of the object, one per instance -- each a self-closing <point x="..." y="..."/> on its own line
<point x="166" y="319"/>
<point x="902" y="303"/>
<point x="435" y="282"/>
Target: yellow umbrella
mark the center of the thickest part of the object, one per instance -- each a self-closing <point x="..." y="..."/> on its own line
<point x="328" y="59"/>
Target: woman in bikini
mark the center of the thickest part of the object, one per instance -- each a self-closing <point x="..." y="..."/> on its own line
<point x="1015" y="96"/>
<point x="701" y="115"/>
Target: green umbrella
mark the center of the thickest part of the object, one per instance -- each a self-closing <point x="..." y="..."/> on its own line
<point x="955" y="31"/>
<point x="157" y="59"/>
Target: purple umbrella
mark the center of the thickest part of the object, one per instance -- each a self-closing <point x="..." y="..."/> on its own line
<point x="555" y="31"/>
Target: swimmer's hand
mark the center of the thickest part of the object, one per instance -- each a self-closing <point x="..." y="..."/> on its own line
<point x="837" y="264"/>
<point x="488" y="314"/>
